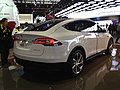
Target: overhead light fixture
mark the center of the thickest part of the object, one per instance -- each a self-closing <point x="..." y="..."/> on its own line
<point x="84" y="7"/>
<point x="72" y="6"/>
<point x="96" y="13"/>
<point x="92" y="2"/>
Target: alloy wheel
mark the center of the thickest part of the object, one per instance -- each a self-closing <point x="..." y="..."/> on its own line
<point x="77" y="62"/>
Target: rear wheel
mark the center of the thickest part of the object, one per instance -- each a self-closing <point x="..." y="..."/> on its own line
<point x="109" y="47"/>
<point x="76" y="62"/>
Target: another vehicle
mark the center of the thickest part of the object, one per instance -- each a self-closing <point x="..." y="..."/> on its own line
<point x="68" y="41"/>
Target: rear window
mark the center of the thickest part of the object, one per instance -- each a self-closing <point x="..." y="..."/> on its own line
<point x="43" y="26"/>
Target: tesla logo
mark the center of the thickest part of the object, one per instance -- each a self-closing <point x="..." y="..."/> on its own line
<point x="1" y="8"/>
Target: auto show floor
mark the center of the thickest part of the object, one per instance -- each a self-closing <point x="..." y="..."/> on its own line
<point x="100" y="73"/>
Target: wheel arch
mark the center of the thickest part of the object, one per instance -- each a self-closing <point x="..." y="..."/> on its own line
<point x="111" y="39"/>
<point x="108" y="50"/>
<point x="77" y="48"/>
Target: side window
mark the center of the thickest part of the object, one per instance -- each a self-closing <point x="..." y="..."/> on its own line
<point x="70" y="26"/>
<point x="79" y="26"/>
<point x="88" y="26"/>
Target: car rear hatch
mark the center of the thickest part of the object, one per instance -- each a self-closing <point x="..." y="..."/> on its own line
<point x="29" y="43"/>
<point x="34" y="38"/>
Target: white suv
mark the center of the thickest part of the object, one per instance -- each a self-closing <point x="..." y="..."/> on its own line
<point x="70" y="41"/>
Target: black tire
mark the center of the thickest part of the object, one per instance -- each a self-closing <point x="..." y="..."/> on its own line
<point x="109" y="47"/>
<point x="76" y="62"/>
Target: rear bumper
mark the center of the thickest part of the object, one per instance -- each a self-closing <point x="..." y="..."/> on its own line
<point x="42" y="66"/>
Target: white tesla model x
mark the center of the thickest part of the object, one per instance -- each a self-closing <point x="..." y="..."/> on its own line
<point x="58" y="41"/>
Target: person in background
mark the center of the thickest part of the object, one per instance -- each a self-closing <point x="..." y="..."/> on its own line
<point x="20" y="28"/>
<point x="118" y="33"/>
<point x="5" y="41"/>
<point x="11" y="25"/>
<point x="111" y="29"/>
<point x="26" y="24"/>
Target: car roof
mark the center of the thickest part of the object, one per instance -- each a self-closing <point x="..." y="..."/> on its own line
<point x="37" y="24"/>
<point x="62" y="20"/>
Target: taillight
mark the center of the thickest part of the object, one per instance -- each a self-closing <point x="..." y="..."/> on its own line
<point x="47" y="41"/>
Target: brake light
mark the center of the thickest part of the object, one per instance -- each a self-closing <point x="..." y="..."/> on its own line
<point x="45" y="41"/>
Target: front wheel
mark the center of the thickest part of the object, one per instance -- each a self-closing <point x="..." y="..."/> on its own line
<point x="76" y="62"/>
